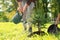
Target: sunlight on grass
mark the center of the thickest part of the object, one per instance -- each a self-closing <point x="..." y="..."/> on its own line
<point x="11" y="31"/>
<point x="11" y="14"/>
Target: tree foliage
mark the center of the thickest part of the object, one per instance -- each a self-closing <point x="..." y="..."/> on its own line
<point x="40" y="13"/>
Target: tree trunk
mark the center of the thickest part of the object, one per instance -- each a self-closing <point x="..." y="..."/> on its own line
<point x="39" y="29"/>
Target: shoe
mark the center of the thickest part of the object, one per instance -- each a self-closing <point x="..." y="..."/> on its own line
<point x="30" y="29"/>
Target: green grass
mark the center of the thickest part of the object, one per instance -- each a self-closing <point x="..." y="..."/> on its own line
<point x="11" y="31"/>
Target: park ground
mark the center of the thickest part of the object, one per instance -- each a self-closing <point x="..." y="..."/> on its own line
<point x="11" y="31"/>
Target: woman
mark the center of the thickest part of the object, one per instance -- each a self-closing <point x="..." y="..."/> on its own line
<point x="25" y="6"/>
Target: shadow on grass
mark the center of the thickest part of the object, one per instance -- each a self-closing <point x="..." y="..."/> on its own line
<point x="37" y="32"/>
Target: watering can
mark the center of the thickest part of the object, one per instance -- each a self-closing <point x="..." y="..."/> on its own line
<point x="17" y="17"/>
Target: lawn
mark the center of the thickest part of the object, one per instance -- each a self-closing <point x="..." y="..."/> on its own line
<point x="11" y="31"/>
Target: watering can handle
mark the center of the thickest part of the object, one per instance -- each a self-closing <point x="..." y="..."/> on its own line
<point x="21" y="13"/>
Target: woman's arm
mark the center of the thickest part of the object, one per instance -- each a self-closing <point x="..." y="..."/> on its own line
<point x="19" y="2"/>
<point x="19" y="5"/>
<point x="27" y="4"/>
<point x="29" y="1"/>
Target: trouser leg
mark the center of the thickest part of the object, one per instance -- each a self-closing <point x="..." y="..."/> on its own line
<point x="27" y="16"/>
<point x="24" y="21"/>
<point x="30" y="27"/>
<point x="24" y="24"/>
<point x="27" y="24"/>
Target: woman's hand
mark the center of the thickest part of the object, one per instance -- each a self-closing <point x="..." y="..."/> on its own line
<point x="25" y="7"/>
<point x="20" y="9"/>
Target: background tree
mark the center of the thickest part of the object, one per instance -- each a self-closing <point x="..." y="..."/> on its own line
<point x="7" y="9"/>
